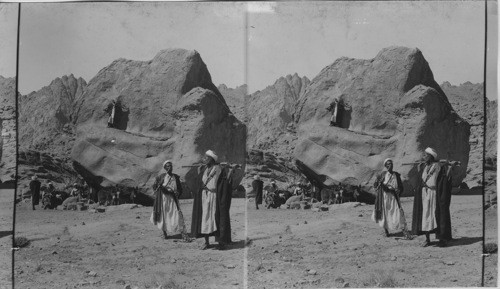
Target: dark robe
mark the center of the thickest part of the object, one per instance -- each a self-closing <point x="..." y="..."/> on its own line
<point x="257" y="186"/>
<point x="442" y="212"/>
<point x="197" y="206"/>
<point x="224" y="197"/>
<point x="160" y="190"/>
<point x="35" y="192"/>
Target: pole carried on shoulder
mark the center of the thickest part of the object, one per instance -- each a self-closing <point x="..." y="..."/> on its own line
<point x="444" y="162"/>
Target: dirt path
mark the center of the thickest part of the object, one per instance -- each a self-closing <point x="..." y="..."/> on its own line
<point x="344" y="247"/>
<point x="121" y="247"/>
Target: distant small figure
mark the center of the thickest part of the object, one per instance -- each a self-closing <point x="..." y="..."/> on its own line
<point x="75" y="192"/>
<point x="257" y="186"/>
<point x="334" y="109"/>
<point x="111" y="110"/>
<point x="35" y="191"/>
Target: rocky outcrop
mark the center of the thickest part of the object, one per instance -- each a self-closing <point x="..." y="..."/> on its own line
<point x="272" y="115"/>
<point x="8" y="128"/>
<point x="491" y="135"/>
<point x="47" y="117"/>
<point x="467" y="100"/>
<point x="235" y="99"/>
<point x="47" y="167"/>
<point x="390" y="107"/>
<point x="166" y="108"/>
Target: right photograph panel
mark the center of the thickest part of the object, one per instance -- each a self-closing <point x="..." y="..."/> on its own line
<point x="365" y="145"/>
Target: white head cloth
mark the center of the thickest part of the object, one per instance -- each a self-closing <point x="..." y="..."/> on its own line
<point x="256" y="177"/>
<point x="211" y="154"/>
<point x="166" y="162"/>
<point x="386" y="160"/>
<point x="432" y="152"/>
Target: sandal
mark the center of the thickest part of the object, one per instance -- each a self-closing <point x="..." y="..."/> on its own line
<point x="205" y="246"/>
<point x="426" y="244"/>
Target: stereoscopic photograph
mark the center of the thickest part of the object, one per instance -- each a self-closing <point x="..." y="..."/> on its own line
<point x="327" y="144"/>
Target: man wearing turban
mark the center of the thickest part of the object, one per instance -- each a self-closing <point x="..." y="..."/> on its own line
<point x="167" y="215"/>
<point x="431" y="207"/>
<point x="388" y="212"/>
<point x="205" y="204"/>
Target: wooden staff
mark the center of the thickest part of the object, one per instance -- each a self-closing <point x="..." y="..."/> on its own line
<point x="447" y="162"/>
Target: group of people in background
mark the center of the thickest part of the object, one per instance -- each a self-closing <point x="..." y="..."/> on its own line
<point x="50" y="197"/>
<point x="431" y="204"/>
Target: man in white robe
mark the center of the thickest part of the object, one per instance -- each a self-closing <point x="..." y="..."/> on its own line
<point x="388" y="212"/>
<point x="167" y="215"/>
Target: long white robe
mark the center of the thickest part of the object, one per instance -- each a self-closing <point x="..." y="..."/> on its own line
<point x="393" y="217"/>
<point x="171" y="220"/>
<point x="209" y="200"/>
<point x="429" y="200"/>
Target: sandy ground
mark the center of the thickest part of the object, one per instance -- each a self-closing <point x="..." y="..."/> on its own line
<point x="120" y="248"/>
<point x="344" y="248"/>
<point x="71" y="249"/>
<point x="6" y="217"/>
<point x="491" y="236"/>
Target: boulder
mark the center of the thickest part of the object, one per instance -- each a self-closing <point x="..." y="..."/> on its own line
<point x="8" y="128"/>
<point x="390" y="107"/>
<point x="166" y="108"/>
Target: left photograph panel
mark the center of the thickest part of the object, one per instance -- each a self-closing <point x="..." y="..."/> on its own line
<point x="8" y="47"/>
<point x="131" y="150"/>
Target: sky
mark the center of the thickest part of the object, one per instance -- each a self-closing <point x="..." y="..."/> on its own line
<point x="282" y="38"/>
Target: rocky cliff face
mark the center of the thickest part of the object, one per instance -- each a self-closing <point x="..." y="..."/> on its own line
<point x="166" y="108"/>
<point x="390" y="107"/>
<point x="8" y="128"/>
<point x="272" y="115"/>
<point x="47" y="117"/>
<point x="467" y="100"/>
<point x="235" y="99"/>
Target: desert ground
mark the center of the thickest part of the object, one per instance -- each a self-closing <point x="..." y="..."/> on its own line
<point x="6" y="220"/>
<point x="121" y="248"/>
<point x="342" y="247"/>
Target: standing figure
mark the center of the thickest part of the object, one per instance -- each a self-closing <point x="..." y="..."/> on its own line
<point x="431" y="207"/>
<point x="388" y="212"/>
<point x="203" y="222"/>
<point x="167" y="215"/>
<point x="35" y="191"/>
<point x="334" y="108"/>
<point x="224" y="197"/>
<point x="257" y="186"/>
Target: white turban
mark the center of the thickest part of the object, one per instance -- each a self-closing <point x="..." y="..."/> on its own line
<point x="212" y="155"/>
<point x="432" y="152"/>
<point x="386" y="160"/>
<point x="166" y="162"/>
<point x="273" y="182"/>
<point x="256" y="177"/>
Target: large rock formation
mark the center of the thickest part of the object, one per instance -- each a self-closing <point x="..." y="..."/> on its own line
<point x="47" y="117"/>
<point x="8" y="128"/>
<point x="166" y="108"/>
<point x="271" y="115"/>
<point x="235" y="99"/>
<point x="391" y="107"/>
<point x="467" y="100"/>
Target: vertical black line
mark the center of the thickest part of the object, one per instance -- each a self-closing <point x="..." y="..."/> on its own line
<point x="17" y="146"/>
<point x="245" y="103"/>
<point x="484" y="130"/>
